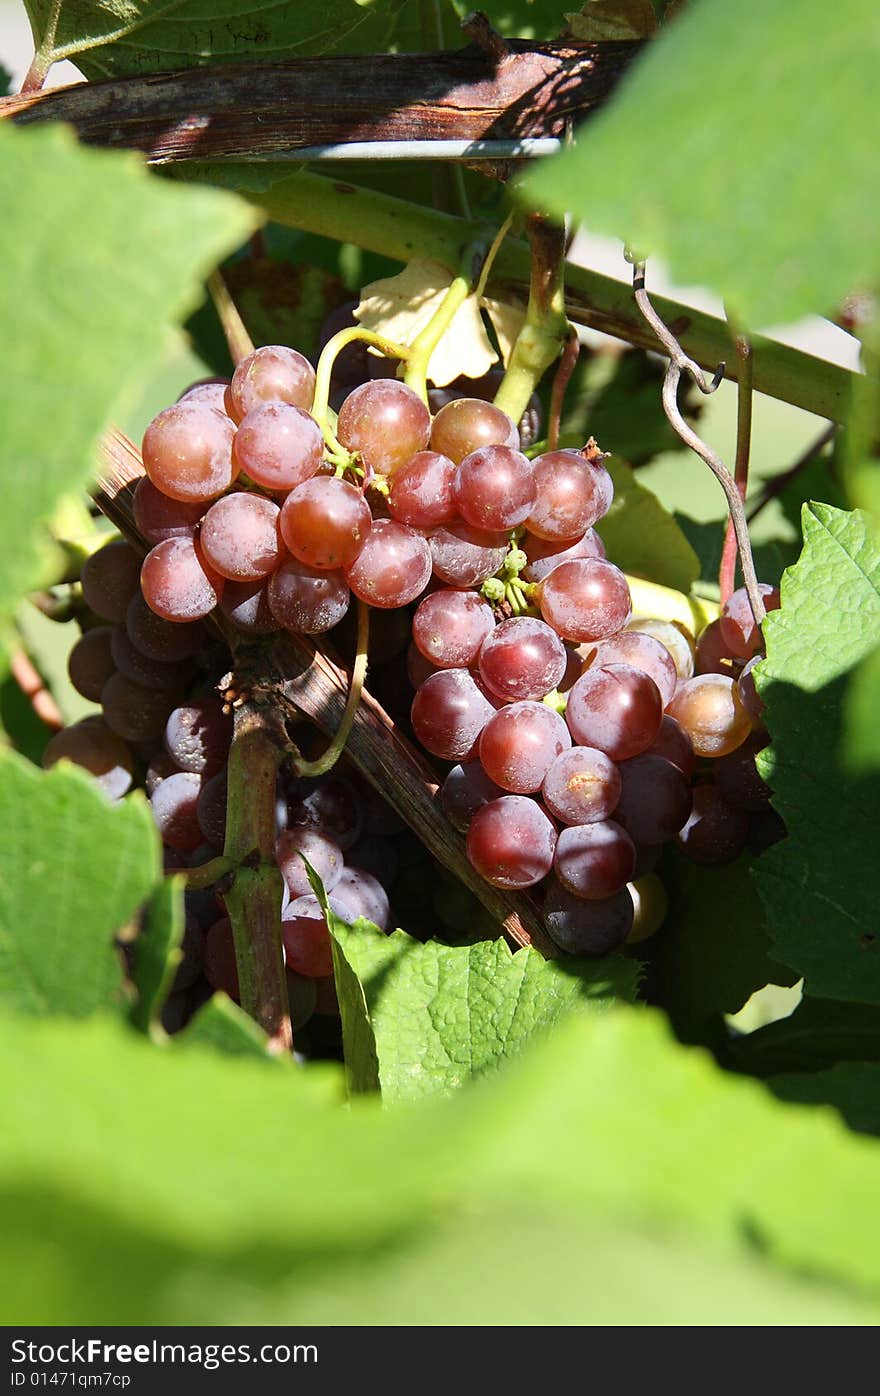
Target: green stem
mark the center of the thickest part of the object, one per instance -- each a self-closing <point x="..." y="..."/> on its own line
<point x="426" y="341"/>
<point x="396" y="228"/>
<point x="327" y="760"/>
<point x="545" y="329"/>
<point x="238" y="341"/>
<point x="332" y="349"/>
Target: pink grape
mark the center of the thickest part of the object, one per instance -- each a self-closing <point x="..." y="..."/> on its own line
<point x="159" y="517"/>
<point x="594" y="860"/>
<point x="188" y="454"/>
<point x="386" y="423"/>
<point x="709" y="710"/>
<point x="209" y="390"/>
<point x="673" y="638"/>
<point x="91" y="745"/>
<point x="522" y="658"/>
<point x="418" y="668"/>
<point x="221" y="970"/>
<point x="546" y="554"/>
<point x="495" y="488"/>
<point x="713" y="653"/>
<point x="449" y="712"/>
<point x="585" y="599"/>
<point x="177" y="581"/>
<point x="365" y="896"/>
<point x="463" y="556"/>
<point x="582" y="786"/>
<point x="279" y="446"/>
<point x="511" y="842"/>
<point x="642" y="652"/>
<point x="738" y="629"/>
<point x="307" y="945"/>
<point x="520" y="743"/>
<point x="617" y="709"/>
<point x="393" y="566"/>
<point x="240" y="539"/>
<point x="246" y="604"/>
<point x="466" y="424"/>
<point x="174" y="804"/>
<point x="149" y="673"/>
<point x="571" y="494"/>
<point x="449" y="628"/>
<point x="307" y="600"/>
<point x="326" y="522"/>
<point x="198" y="734"/>
<point x="421" y="492"/>
<point x="321" y="851"/>
<point x="272" y="373"/>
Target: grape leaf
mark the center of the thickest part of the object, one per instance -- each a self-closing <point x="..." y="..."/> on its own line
<point x="74" y="869"/>
<point x="109" y="38"/>
<point x="693" y="150"/>
<point x="613" y="19"/>
<point x="817" y="1034"/>
<point x="665" y="1145"/>
<point x="821" y="911"/>
<point x="99" y="257"/>
<point x="642" y="537"/>
<point x="853" y="1088"/>
<point x="156" y="952"/>
<point x="221" y="1024"/>
<point x="440" y="1015"/>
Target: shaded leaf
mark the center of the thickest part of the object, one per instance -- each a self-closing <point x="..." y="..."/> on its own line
<point x="221" y="1024"/>
<point x="853" y="1088"/>
<point x="817" y="1034"/>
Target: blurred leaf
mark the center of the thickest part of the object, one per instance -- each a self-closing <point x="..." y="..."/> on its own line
<point x="156" y="952"/>
<point x="5" y="81"/>
<point x="74" y="869"/>
<point x="440" y="1015"/>
<point x="642" y="537"/>
<point x="816" y="884"/>
<point x="613" y="19"/>
<point x="282" y="303"/>
<point x="109" y="38"/>
<point x="99" y="258"/>
<point x="862" y="747"/>
<point x="221" y="1024"/>
<point x="853" y="1088"/>
<point x="691" y="154"/>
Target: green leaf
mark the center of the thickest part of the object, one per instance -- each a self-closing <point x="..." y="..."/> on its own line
<point x="99" y="258"/>
<point x="522" y="19"/>
<point x="441" y="1015"/>
<point x="853" y="1088"/>
<point x="74" y="870"/>
<point x="221" y="1024"/>
<point x="156" y="951"/>
<point x="816" y="884"/>
<point x="862" y="733"/>
<point x="642" y="537"/>
<point x="694" y="149"/>
<point x="109" y="38"/>
<point x="274" y="1198"/>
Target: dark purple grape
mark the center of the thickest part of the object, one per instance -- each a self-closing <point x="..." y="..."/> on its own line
<point x="159" y="517"/>
<point x="246" y="604"/>
<point x="674" y="744"/>
<point x="655" y="799"/>
<point x="211" y="808"/>
<point x="748" y="694"/>
<point x="588" y="928"/>
<point x="714" y="833"/>
<point x="594" y="860"/>
<point x="161" y="639"/>
<point x="91" y="745"/>
<point x="448" y="714"/>
<point x="174" y="803"/>
<point x="90" y="662"/>
<point x="198" y="735"/>
<point x="737" y="778"/>
<point x="110" y="578"/>
<point x="465" y="790"/>
<point x="329" y="804"/>
<point x="135" y="713"/>
<point x="221" y="970"/>
<point x="149" y="673"/>
<point x="712" y="653"/>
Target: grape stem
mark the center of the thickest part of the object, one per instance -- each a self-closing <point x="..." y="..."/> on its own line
<point x="545" y="329"/>
<point x="727" y="568"/>
<point x="427" y="339"/>
<point x="238" y="341"/>
<point x="329" y="354"/>
<point x="327" y="760"/>
<point x="679" y="363"/>
<point x="561" y="379"/>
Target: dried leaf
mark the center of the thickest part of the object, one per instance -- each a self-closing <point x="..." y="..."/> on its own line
<point x="613" y="19"/>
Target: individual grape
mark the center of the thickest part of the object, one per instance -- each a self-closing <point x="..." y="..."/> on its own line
<point x="302" y="999"/>
<point x="588" y="928"/>
<point x="90" y="662"/>
<point x="485" y="388"/>
<point x="386" y="423"/>
<point x="640" y="651"/>
<point x="522" y="658"/>
<point x="708" y="709"/>
<point x="161" y="639"/>
<point x="134" y="713"/>
<point x="463" y="556"/>
<point x="307" y="945"/>
<point x="375" y="855"/>
<point x="495" y="488"/>
<point x="192" y="953"/>
<point x="366" y="896"/>
<point x="174" y="804"/>
<point x="674" y="744"/>
<point x="322" y="852"/>
<point x="766" y="828"/>
<point x="617" y="709"/>
<point x="571" y="494"/>
<point x="326" y="522"/>
<point x="737" y="778"/>
<point x="177" y="581"/>
<point x="188" y="454"/>
<point x="511" y="841"/>
<point x="306" y="600"/>
<point x="449" y="628"/>
<point x="221" y="970"/>
<point x="748" y="694"/>
<point x="738" y="629"/>
<point x="545" y="554"/>
<point x="422" y="491"/>
<point x="246" y="604"/>
<point x="92" y="745"/>
<point x="467" y="424"/>
<point x="239" y="537"/>
<point x="594" y="860"/>
<point x="198" y="735"/>
<point x="149" y="673"/>
<point x="650" y="905"/>
<point x="159" y="517"/>
<point x="465" y="790"/>
<point x="585" y="599"/>
<point x="110" y="578"/>
<point x="418" y="668"/>
<point x="655" y="799"/>
<point x="393" y="566"/>
<point x="714" y="833"/>
<point x="160" y="767"/>
<point x="712" y="653"/>
<point x="519" y="744"/>
<point x="209" y="390"/>
<point x="674" y="638"/>
<point x="329" y="804"/>
<point x="448" y="714"/>
<point x="211" y="808"/>
<point x="582" y="786"/>
<point x="271" y="374"/>
<point x="279" y="446"/>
